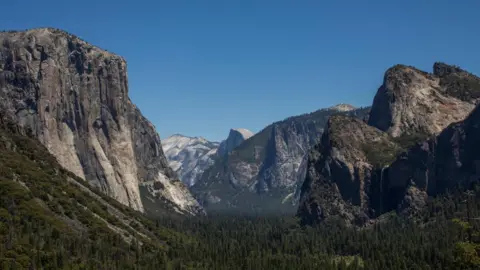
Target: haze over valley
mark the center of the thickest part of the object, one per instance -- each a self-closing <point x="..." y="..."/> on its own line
<point x="219" y="150"/>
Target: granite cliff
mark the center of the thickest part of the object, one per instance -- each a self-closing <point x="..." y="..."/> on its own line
<point x="412" y="101"/>
<point x="360" y="171"/>
<point x="189" y="157"/>
<point x="262" y="174"/>
<point x="73" y="97"/>
<point x="236" y="136"/>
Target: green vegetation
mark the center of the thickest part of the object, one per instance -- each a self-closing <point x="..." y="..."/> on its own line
<point x="318" y="119"/>
<point x="463" y="86"/>
<point x="407" y="141"/>
<point x="254" y="151"/>
<point x="232" y="242"/>
<point x="383" y="152"/>
<point x="467" y="250"/>
<point x="49" y="222"/>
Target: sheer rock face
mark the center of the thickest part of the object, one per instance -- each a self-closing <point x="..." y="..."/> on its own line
<point x="361" y="171"/>
<point x="441" y="163"/>
<point x="265" y="170"/>
<point x="74" y="97"/>
<point x="235" y="137"/>
<point x="340" y="175"/>
<point x="412" y="101"/>
<point x="189" y="156"/>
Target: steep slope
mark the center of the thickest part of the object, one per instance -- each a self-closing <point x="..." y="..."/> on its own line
<point x="437" y="165"/>
<point x="234" y="139"/>
<point x="349" y="176"/>
<point x="342" y="172"/>
<point x="264" y="170"/>
<point x="51" y="219"/>
<point x="74" y="98"/>
<point x="412" y="101"/>
<point x="189" y="156"/>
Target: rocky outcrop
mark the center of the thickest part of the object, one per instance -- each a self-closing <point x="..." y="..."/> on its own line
<point x="266" y="169"/>
<point x="360" y="171"/>
<point x="74" y="98"/>
<point x="411" y="101"/>
<point x="432" y="167"/>
<point x="342" y="107"/>
<point x="189" y="156"/>
<point x="235" y="137"/>
<point x="341" y="173"/>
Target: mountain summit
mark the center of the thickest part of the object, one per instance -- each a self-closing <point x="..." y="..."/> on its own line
<point x="263" y="173"/>
<point x="234" y="139"/>
<point x="409" y="149"/>
<point x="73" y="96"/>
<point x="342" y="107"/>
<point x="189" y="157"/>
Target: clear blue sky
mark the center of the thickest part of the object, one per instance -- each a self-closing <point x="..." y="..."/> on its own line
<point x="201" y="67"/>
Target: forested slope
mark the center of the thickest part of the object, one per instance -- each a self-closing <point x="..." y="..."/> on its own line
<point x="50" y="220"/>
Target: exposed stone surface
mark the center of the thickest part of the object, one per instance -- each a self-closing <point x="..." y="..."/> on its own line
<point x="266" y="169"/>
<point x="412" y="101"/>
<point x="235" y="137"/>
<point x="74" y="98"/>
<point x="342" y="107"/>
<point x="441" y="163"/>
<point x="340" y="173"/>
<point x="189" y="156"/>
<point x="358" y="172"/>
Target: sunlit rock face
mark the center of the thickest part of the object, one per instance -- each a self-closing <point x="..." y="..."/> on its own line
<point x="264" y="173"/>
<point x="74" y="98"/>
<point x="415" y="145"/>
<point x="189" y="156"/>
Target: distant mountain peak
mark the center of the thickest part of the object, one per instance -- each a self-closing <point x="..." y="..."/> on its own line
<point x="243" y="131"/>
<point x="189" y="156"/>
<point x="196" y="138"/>
<point x="343" y="107"/>
<point x="235" y="137"/>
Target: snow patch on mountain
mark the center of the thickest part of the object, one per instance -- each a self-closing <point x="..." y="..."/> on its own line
<point x="189" y="157"/>
<point x="342" y="107"/>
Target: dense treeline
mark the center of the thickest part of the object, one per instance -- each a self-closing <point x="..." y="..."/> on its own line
<point x="30" y="241"/>
<point x="46" y="222"/>
<point x="440" y="242"/>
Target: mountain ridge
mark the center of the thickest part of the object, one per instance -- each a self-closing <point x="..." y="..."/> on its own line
<point x="360" y="170"/>
<point x="264" y="167"/>
<point x="190" y="156"/>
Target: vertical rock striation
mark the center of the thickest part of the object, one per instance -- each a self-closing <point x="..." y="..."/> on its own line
<point x="263" y="173"/>
<point x="189" y="156"/>
<point x="74" y="97"/>
<point x="236" y="136"/>
<point x="412" y="101"/>
<point x="408" y="151"/>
